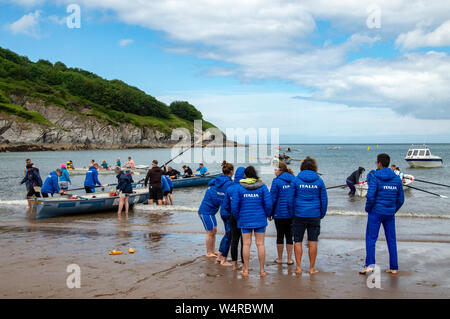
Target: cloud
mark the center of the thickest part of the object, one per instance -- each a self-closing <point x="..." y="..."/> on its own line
<point x="28" y="25"/>
<point x="125" y="42"/>
<point x="419" y="38"/>
<point x="271" y="39"/>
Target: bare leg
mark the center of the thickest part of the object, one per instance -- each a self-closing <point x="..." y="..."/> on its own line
<point x="171" y="199"/>
<point x="211" y="242"/>
<point x="312" y="250"/>
<point x="280" y="248"/>
<point x="298" y="250"/>
<point x="159" y="202"/>
<point x="127" y="205"/>
<point x="259" y="238"/>
<point x="120" y="206"/>
<point x="150" y="201"/>
<point x="289" y="249"/>
<point x="247" y="241"/>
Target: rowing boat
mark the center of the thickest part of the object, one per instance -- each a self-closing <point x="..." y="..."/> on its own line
<point x="361" y="189"/>
<point x="193" y="181"/>
<point x="276" y="160"/>
<point x="89" y="203"/>
<point x="138" y="169"/>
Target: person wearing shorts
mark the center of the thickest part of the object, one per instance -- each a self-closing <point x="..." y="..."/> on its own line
<point x="125" y="188"/>
<point x="153" y="178"/>
<point x="251" y="205"/>
<point x="33" y="182"/>
<point x="309" y="201"/>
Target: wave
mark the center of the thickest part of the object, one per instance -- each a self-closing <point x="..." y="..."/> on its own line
<point x="407" y="215"/>
<point x="165" y="208"/>
<point x="14" y="202"/>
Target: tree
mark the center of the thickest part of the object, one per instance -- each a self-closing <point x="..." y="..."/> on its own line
<point x="185" y="110"/>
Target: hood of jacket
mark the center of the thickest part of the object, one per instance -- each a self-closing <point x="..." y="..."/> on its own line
<point x="251" y="183"/>
<point x="385" y="174"/>
<point x="308" y="176"/>
<point x="239" y="175"/>
<point x="220" y="180"/>
<point x="92" y="168"/>
<point x="360" y="169"/>
<point x="287" y="177"/>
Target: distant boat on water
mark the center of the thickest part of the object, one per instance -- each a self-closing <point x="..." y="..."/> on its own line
<point x="420" y="156"/>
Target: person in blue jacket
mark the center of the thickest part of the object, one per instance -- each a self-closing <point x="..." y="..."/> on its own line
<point x="202" y="170"/>
<point x="225" y="210"/>
<point x="91" y="179"/>
<point x="282" y="212"/>
<point x="251" y="205"/>
<point x="125" y="188"/>
<point x="222" y="184"/>
<point x="207" y="212"/>
<point x="309" y="201"/>
<point x="167" y="191"/>
<point x="64" y="179"/>
<point x="384" y="198"/>
<point x="33" y="182"/>
<point x="51" y="184"/>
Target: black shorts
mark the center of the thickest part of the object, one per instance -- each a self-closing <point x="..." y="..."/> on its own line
<point x="32" y="193"/>
<point x="156" y="192"/>
<point x="167" y="193"/>
<point x="310" y="224"/>
<point x="89" y="189"/>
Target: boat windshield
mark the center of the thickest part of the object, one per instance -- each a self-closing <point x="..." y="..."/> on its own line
<point x="415" y="152"/>
<point x="409" y="153"/>
<point x="422" y="153"/>
<point x="428" y="153"/>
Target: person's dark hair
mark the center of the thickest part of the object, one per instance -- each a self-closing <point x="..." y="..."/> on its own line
<point x="309" y="164"/>
<point x="184" y="166"/>
<point x="227" y="168"/>
<point x="29" y="166"/>
<point x="383" y="159"/>
<point x="283" y="167"/>
<point x="155" y="162"/>
<point x="250" y="172"/>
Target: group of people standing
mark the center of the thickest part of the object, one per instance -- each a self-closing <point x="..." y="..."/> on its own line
<point x="296" y="204"/>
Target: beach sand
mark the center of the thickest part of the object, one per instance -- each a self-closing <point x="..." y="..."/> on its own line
<point x="171" y="265"/>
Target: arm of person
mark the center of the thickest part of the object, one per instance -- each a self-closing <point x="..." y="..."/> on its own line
<point x="323" y="199"/>
<point x="235" y="203"/>
<point x="400" y="197"/>
<point x="267" y="201"/>
<point x="274" y="194"/>
<point x="147" y="177"/>
<point x="371" y="193"/>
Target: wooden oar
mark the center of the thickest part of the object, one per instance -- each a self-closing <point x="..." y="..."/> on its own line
<point x="178" y="155"/>
<point x="336" y="186"/>
<point x="422" y="190"/>
<point x="438" y="184"/>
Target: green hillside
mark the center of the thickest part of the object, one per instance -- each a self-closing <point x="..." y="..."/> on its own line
<point x="75" y="90"/>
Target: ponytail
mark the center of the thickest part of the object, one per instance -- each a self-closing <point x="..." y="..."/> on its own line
<point x="227" y="168"/>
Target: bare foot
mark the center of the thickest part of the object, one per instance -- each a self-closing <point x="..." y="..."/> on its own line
<point x="225" y="263"/>
<point x="298" y="271"/>
<point x="392" y="271"/>
<point x="263" y="273"/>
<point x="366" y="270"/>
<point x="244" y="273"/>
<point x="209" y="255"/>
<point x="277" y="261"/>
<point x="237" y="267"/>
<point x="290" y="262"/>
<point x="313" y="271"/>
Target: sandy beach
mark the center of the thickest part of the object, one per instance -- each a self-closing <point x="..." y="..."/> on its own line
<point x="169" y="264"/>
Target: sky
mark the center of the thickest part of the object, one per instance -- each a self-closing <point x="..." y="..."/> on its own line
<point x="322" y="71"/>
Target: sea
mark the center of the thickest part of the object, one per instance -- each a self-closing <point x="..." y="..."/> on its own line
<point x="424" y="217"/>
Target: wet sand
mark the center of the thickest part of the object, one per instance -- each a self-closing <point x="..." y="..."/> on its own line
<point x="168" y="263"/>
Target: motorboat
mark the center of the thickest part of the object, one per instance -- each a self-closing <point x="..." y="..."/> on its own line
<point x="420" y="156"/>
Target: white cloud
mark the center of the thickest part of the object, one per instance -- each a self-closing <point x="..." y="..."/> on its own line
<point x="125" y="42"/>
<point x="28" y="25"/>
<point x="419" y="38"/>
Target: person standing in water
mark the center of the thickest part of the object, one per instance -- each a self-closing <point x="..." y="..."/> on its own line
<point x="64" y="179"/>
<point x="91" y="179"/>
<point x="33" y="183"/>
<point x="384" y="198"/>
<point x="225" y="210"/>
<point x="51" y="184"/>
<point x="282" y="186"/>
<point x="353" y="180"/>
<point x="154" y="179"/>
<point x="125" y="188"/>
<point x="168" y="193"/>
<point x="251" y="205"/>
<point x="222" y="184"/>
<point x="309" y="201"/>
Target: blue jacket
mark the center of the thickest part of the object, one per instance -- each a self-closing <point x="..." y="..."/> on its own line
<point x="91" y="179"/>
<point x="51" y="184"/>
<point x="32" y="178"/>
<point x="65" y="177"/>
<point x="385" y="194"/>
<point x="251" y="204"/>
<point x="214" y="195"/>
<point x="169" y="181"/>
<point x="281" y="189"/>
<point x="309" y="196"/>
<point x="225" y="208"/>
<point x="164" y="184"/>
<point x="125" y="183"/>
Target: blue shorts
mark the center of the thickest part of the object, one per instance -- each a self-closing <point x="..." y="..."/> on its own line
<point x="256" y="230"/>
<point x="209" y="221"/>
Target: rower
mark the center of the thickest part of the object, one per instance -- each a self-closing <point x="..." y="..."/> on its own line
<point x="202" y="170"/>
<point x="129" y="163"/>
<point x="172" y="173"/>
<point x="51" y="184"/>
<point x="354" y="179"/>
<point x="91" y="179"/>
<point x="187" y="171"/>
<point x="70" y="165"/>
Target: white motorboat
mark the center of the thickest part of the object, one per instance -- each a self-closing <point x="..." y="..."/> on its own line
<point x="362" y="187"/>
<point x="420" y="156"/>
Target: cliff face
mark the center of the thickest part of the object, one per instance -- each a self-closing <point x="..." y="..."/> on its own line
<point x="73" y="131"/>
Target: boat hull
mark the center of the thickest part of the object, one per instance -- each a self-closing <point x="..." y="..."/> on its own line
<point x="82" y="171"/>
<point x="424" y="163"/>
<point x="56" y="207"/>
<point x="193" y="181"/>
